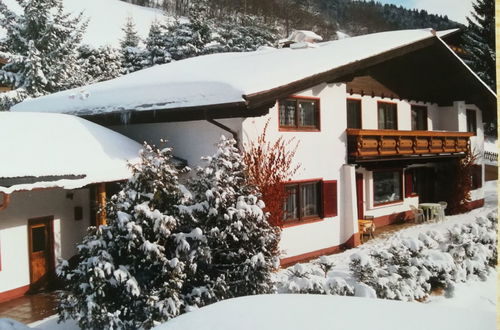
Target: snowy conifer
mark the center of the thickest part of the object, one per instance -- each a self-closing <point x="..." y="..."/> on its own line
<point x="479" y="41"/>
<point x="99" y="64"/>
<point x="133" y="57"/>
<point x="156" y="45"/>
<point x="132" y="271"/>
<point x="243" y="245"/>
<point x="43" y="41"/>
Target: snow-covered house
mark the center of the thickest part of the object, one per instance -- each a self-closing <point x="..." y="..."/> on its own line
<point x="53" y="175"/>
<point x="380" y="119"/>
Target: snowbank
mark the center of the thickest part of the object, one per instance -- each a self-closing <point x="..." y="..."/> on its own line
<point x="106" y="19"/>
<point x="217" y="78"/>
<point x="271" y="312"/>
<point x="52" y="150"/>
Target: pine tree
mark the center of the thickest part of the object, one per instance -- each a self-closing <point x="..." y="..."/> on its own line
<point x="243" y="245"/>
<point x="99" y="64"/>
<point x="479" y="41"/>
<point x="132" y="271"/>
<point x="133" y="57"/>
<point x="156" y="44"/>
<point x="42" y="43"/>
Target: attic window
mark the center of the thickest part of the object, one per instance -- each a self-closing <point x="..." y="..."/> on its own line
<point x="299" y="114"/>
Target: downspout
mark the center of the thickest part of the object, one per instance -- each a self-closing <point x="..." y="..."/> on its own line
<point x="227" y="129"/>
<point x="6" y="201"/>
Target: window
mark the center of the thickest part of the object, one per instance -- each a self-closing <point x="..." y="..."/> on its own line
<point x="302" y="201"/>
<point x="387" y="187"/>
<point x="353" y="113"/>
<point x="299" y="113"/>
<point x="418" y="118"/>
<point x="387" y="115"/>
<point x="471" y="121"/>
<point x="309" y="200"/>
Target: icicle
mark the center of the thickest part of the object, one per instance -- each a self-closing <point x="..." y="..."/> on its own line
<point x="125" y="117"/>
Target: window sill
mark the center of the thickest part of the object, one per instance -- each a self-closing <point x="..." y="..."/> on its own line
<point x="388" y="204"/>
<point x="299" y="129"/>
<point x="295" y="223"/>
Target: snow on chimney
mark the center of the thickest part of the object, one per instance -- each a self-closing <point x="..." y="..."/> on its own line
<point x="301" y="39"/>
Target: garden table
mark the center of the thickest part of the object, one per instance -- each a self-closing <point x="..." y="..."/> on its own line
<point x="430" y="210"/>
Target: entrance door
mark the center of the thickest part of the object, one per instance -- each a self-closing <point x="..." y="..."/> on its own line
<point x="41" y="249"/>
<point x="360" y="195"/>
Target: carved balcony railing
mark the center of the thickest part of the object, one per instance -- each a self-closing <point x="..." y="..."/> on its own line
<point x="376" y="144"/>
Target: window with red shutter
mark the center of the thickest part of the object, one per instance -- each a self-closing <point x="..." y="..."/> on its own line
<point x="329" y="199"/>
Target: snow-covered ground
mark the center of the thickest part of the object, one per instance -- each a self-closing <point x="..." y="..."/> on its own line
<point x="105" y="28"/>
<point x="319" y="312"/>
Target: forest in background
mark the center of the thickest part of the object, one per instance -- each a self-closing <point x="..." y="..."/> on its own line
<point x="324" y="17"/>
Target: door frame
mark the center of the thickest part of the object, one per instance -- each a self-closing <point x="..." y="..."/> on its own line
<point x="49" y="220"/>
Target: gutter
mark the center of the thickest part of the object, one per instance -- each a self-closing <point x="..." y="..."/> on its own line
<point x="225" y="128"/>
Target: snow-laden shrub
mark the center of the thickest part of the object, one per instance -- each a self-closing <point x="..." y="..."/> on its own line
<point x="408" y="269"/>
<point x="311" y="278"/>
<point x="135" y="271"/>
<point x="243" y="245"/>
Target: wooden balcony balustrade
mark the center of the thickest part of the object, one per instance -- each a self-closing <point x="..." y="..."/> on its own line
<point x="367" y="143"/>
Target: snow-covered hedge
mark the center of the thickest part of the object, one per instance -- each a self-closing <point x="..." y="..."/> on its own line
<point x="408" y="268"/>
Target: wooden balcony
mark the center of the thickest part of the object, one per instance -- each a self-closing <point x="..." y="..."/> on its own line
<point x="366" y="144"/>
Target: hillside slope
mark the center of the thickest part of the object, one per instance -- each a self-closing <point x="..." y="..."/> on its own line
<point x="106" y="18"/>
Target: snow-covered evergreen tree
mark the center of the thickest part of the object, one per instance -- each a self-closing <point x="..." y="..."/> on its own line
<point x="188" y="38"/>
<point x="156" y="44"/>
<point x="42" y="42"/>
<point x="479" y="41"/>
<point x="133" y="57"/>
<point x="132" y="271"/>
<point x="99" y="64"/>
<point x="243" y="245"/>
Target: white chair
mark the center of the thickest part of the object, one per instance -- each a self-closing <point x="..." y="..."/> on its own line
<point x="441" y="215"/>
<point x="418" y="214"/>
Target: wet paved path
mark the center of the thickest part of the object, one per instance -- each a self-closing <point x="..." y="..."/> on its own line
<point x="30" y="308"/>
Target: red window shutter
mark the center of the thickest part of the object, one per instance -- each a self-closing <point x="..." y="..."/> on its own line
<point x="408" y="183"/>
<point x="329" y="199"/>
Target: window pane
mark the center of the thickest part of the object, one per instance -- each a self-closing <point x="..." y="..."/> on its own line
<point x="387" y="116"/>
<point x="309" y="198"/>
<point x="418" y="118"/>
<point x="386" y="186"/>
<point x="290" y="207"/>
<point x="307" y="113"/>
<point x="38" y="238"/>
<point x="287" y="112"/>
<point x="354" y="114"/>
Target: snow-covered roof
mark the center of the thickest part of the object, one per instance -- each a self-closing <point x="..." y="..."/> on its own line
<point x="218" y="79"/>
<point x="41" y="150"/>
<point x="325" y="312"/>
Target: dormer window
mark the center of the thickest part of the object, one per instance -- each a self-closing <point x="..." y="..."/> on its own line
<point x="299" y="114"/>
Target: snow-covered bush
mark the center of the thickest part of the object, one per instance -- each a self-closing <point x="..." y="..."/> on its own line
<point x="314" y="278"/>
<point x="134" y="271"/>
<point x="410" y="268"/>
<point x="243" y="245"/>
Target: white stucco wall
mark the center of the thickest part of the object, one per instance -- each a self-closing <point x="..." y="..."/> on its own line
<point x="190" y="140"/>
<point x="321" y="156"/>
<point x="14" y="229"/>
